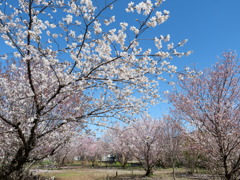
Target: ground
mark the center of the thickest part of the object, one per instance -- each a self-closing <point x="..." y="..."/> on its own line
<point x="117" y="174"/>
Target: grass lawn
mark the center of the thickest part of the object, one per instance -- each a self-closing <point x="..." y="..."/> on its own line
<point x="110" y="174"/>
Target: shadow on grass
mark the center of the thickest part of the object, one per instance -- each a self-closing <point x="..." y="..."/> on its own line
<point x="128" y="177"/>
<point x="184" y="176"/>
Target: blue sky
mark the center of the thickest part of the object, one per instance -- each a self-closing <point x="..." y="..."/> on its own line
<point x="212" y="27"/>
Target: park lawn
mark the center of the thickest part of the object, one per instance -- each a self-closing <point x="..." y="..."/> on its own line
<point x="87" y="173"/>
<point x="104" y="174"/>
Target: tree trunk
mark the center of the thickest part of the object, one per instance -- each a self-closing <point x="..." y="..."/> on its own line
<point x="14" y="170"/>
<point x="63" y="160"/>
<point x="149" y="172"/>
<point x="173" y="168"/>
<point x="228" y="176"/>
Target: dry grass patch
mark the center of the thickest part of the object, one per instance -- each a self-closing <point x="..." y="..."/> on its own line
<point x="114" y="174"/>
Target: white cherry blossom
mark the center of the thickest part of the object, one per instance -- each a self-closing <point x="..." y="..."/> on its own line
<point x="69" y="64"/>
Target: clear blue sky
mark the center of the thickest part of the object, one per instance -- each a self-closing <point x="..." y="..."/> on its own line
<point x="212" y="27"/>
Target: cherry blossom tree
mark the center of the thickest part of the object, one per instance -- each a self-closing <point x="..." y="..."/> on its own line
<point x="69" y="150"/>
<point x="192" y="154"/>
<point x="82" y="147"/>
<point x="70" y="63"/>
<point x="210" y="103"/>
<point x="174" y="135"/>
<point x="116" y="140"/>
<point x="91" y="149"/>
<point x="146" y="142"/>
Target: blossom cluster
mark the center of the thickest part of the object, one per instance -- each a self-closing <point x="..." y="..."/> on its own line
<point x="69" y="63"/>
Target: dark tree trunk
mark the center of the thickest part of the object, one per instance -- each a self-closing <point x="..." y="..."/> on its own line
<point x="15" y="169"/>
<point x="149" y="172"/>
<point x="63" y="160"/>
<point x="228" y="177"/>
<point x="124" y="165"/>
